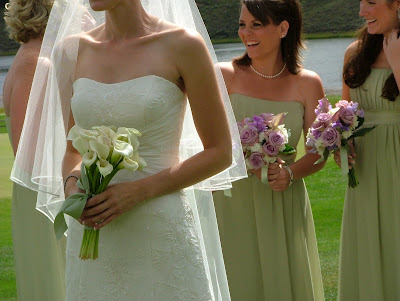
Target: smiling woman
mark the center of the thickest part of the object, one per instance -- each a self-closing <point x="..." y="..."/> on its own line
<point x="370" y="240"/>
<point x="267" y="230"/>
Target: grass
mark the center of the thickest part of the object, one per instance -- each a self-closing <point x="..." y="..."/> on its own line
<point x="307" y="36"/>
<point x="326" y="191"/>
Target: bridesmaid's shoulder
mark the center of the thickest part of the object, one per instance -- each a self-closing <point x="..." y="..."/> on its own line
<point x="228" y="70"/>
<point x="350" y="50"/>
<point x="308" y="79"/>
<point x="310" y="87"/>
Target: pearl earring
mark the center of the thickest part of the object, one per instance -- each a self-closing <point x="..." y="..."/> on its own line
<point x="283" y="35"/>
<point x="398" y="13"/>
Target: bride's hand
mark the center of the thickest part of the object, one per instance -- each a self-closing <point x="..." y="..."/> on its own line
<point x="113" y="202"/>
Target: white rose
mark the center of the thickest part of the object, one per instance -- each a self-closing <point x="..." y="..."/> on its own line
<point x="268" y="159"/>
<point x="346" y="134"/>
<point x="256" y="148"/>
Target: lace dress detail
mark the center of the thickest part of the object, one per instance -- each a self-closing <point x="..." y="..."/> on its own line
<point x="152" y="252"/>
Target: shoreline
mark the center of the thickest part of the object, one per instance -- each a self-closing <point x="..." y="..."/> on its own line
<point x="306" y="36"/>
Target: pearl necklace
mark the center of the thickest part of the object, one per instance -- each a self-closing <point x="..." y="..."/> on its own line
<point x="268" y="76"/>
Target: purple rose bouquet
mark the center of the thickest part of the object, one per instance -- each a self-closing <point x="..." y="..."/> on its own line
<point x="332" y="130"/>
<point x="264" y="138"/>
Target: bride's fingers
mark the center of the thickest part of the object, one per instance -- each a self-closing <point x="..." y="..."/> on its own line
<point x="94" y="221"/>
<point x="94" y="210"/>
<point x="97" y="199"/>
<point x="105" y="222"/>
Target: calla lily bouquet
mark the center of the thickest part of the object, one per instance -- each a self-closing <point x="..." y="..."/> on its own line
<point x="332" y="130"/>
<point x="105" y="151"/>
<point x="264" y="138"/>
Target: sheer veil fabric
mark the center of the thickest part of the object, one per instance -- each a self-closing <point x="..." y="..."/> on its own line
<point x="38" y="163"/>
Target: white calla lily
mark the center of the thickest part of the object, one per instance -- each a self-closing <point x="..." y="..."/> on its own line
<point x="128" y="164"/>
<point x="101" y="149"/>
<point x="81" y="145"/>
<point x="104" y="140"/>
<point x="121" y="148"/>
<point x="106" y="131"/>
<point x="88" y="134"/>
<point x="135" y="143"/>
<point x="89" y="158"/>
<point x="74" y="133"/>
<point x="122" y="137"/>
<point x="105" y="168"/>
<point x="142" y="163"/>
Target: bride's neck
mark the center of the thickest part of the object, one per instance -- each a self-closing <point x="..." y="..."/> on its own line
<point x="126" y="20"/>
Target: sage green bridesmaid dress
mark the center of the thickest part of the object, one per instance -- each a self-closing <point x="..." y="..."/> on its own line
<point x="39" y="257"/>
<point x="370" y="239"/>
<point x="268" y="238"/>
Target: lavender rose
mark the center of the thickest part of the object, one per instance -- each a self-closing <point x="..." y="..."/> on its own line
<point x="249" y="135"/>
<point x="347" y="116"/>
<point x="330" y="136"/>
<point x="324" y="118"/>
<point x="270" y="150"/>
<point x="276" y="138"/>
<point x="256" y="160"/>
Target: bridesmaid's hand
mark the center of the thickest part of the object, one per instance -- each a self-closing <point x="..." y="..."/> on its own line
<point x="391" y="48"/>
<point x="117" y="199"/>
<point x="282" y="179"/>
<point x="273" y="170"/>
<point x="351" y="156"/>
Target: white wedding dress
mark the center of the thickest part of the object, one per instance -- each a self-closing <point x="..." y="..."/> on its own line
<point x="153" y="252"/>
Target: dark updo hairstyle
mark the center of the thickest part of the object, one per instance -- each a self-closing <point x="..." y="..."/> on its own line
<point x="358" y="67"/>
<point x="276" y="11"/>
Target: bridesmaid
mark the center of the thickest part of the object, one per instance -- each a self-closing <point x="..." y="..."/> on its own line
<point x="39" y="257"/>
<point x="370" y="240"/>
<point x="267" y="231"/>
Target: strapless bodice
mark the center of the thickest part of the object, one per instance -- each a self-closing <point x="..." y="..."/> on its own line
<point x="151" y="104"/>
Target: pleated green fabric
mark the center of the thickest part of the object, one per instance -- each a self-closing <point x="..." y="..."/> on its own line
<point x="39" y="257"/>
<point x="268" y="238"/>
<point x="370" y="240"/>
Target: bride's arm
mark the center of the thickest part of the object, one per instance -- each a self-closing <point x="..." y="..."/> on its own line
<point x="196" y="69"/>
<point x="71" y="164"/>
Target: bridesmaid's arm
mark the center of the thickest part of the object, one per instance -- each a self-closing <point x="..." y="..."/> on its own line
<point x="21" y="88"/>
<point x="391" y="47"/>
<point x="312" y="86"/>
<point x="196" y="69"/>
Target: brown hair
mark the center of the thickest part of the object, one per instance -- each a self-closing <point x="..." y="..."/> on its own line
<point x="277" y="11"/>
<point x="26" y="19"/>
<point x="358" y="67"/>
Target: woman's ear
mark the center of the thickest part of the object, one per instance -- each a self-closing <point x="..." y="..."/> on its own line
<point x="284" y="27"/>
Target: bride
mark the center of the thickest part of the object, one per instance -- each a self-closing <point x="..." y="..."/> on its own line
<point x="158" y="240"/>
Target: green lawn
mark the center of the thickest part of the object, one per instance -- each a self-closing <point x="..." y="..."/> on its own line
<point x="326" y="190"/>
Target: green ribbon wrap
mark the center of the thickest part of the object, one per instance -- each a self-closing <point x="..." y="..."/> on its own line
<point x="73" y="205"/>
<point x="344" y="160"/>
<point x="264" y="173"/>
